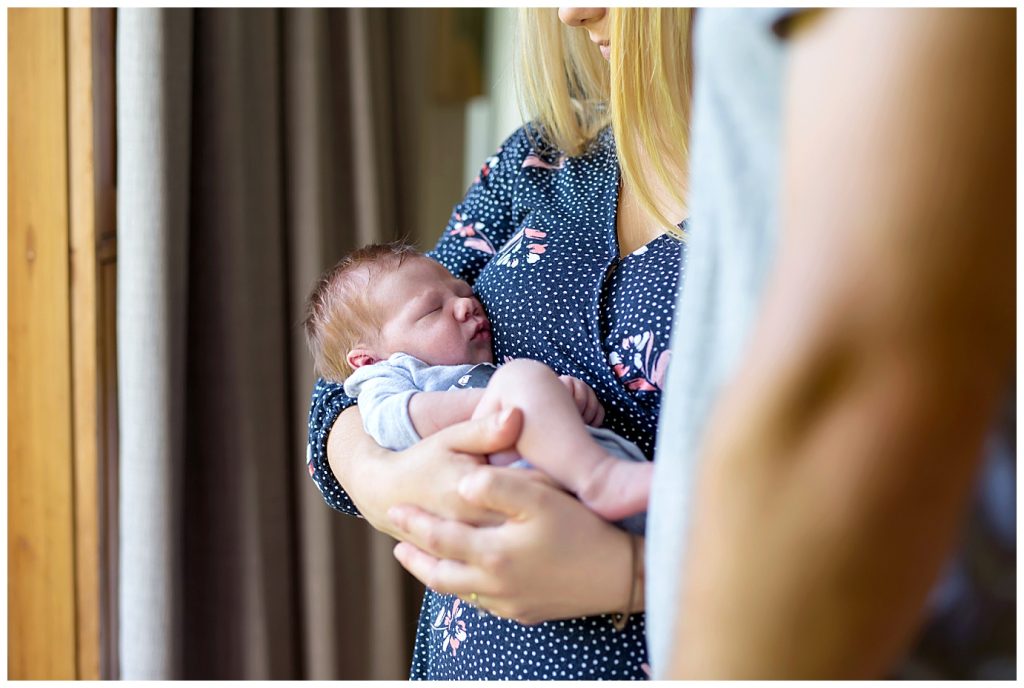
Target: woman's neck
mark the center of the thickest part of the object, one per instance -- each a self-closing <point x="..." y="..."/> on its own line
<point x="635" y="227"/>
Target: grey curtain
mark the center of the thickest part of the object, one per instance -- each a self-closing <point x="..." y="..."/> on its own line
<point x="254" y="148"/>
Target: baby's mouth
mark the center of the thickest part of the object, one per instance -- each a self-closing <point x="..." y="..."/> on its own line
<point x="482" y="333"/>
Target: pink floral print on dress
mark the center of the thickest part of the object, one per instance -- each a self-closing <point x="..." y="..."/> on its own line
<point x="533" y="160"/>
<point x="451" y="626"/>
<point x="636" y="359"/>
<point x="472" y="234"/>
<point x="509" y="254"/>
<point x="485" y="171"/>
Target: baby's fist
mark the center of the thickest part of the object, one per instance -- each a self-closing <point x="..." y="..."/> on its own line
<point x="590" y="408"/>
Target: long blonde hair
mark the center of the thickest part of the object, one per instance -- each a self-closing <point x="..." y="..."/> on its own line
<point x="565" y="85"/>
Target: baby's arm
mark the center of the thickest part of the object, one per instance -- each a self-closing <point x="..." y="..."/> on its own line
<point x="396" y="412"/>
<point x="433" y="411"/>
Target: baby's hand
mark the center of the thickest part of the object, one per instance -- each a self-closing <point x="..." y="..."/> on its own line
<point x="586" y="401"/>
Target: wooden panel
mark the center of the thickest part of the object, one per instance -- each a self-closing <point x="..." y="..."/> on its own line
<point x="104" y="31"/>
<point x="109" y="665"/>
<point x="84" y="354"/>
<point x="40" y="584"/>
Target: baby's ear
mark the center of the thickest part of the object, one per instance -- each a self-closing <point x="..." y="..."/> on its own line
<point x="357" y="358"/>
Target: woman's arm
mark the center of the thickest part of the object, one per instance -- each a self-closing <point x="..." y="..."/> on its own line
<point x="426" y="474"/>
<point x="838" y="462"/>
<point x="551" y="558"/>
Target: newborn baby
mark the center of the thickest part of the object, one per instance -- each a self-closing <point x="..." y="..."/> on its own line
<point x="413" y="344"/>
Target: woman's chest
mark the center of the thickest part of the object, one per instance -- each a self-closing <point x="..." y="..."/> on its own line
<point x="557" y="290"/>
<point x="561" y="295"/>
<point x="559" y="280"/>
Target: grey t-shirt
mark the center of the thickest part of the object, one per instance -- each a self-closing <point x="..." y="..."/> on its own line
<point x="734" y="173"/>
<point x="740" y="64"/>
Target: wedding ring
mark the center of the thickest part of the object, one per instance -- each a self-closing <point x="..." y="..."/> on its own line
<point x="474" y="600"/>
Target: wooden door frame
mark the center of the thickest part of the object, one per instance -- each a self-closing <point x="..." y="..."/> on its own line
<point x="40" y="529"/>
<point x="62" y="431"/>
<point x="91" y="183"/>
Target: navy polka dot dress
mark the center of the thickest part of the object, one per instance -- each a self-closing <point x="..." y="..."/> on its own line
<point x="535" y="236"/>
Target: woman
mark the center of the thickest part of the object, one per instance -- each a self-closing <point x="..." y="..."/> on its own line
<point x="571" y="236"/>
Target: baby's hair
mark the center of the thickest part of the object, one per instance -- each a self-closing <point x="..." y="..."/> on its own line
<point x="339" y="315"/>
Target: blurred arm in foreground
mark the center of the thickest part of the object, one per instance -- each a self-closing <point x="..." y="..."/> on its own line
<point x="838" y="462"/>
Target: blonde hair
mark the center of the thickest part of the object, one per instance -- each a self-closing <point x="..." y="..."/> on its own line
<point x="643" y="92"/>
<point x="339" y="313"/>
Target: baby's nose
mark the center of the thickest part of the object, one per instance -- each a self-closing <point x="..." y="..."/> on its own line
<point x="464" y="308"/>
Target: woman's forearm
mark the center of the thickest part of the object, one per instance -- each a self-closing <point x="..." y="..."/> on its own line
<point x="364" y="469"/>
<point x="817" y="538"/>
<point x="425" y="475"/>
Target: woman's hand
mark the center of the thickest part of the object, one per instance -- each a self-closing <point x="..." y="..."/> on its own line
<point x="551" y="558"/>
<point x="425" y="475"/>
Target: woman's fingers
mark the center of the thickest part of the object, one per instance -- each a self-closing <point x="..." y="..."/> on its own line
<point x="459" y="447"/>
<point x="553" y="559"/>
<point x="447" y="556"/>
<point x="509" y="491"/>
<point x="438" y="537"/>
<point x="484" y="435"/>
<point x="446" y="576"/>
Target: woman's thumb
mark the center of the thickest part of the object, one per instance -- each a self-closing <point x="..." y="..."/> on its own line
<point x="503" y="430"/>
<point x="484" y="435"/>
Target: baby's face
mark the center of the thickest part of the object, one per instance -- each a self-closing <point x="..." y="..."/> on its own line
<point x="431" y="315"/>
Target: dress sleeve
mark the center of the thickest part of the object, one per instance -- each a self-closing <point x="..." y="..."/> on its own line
<point x="329" y="400"/>
<point x="479" y="226"/>
<point x="489" y="214"/>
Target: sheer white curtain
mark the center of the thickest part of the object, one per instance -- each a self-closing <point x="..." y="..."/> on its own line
<point x="154" y="51"/>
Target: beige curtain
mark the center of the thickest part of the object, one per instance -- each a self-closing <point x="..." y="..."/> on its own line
<point x="255" y="147"/>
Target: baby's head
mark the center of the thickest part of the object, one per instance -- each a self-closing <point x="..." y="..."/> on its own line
<point x="389" y="298"/>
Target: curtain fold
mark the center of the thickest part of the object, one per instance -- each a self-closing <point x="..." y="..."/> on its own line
<point x="154" y="68"/>
<point x="255" y="148"/>
<point x="236" y="504"/>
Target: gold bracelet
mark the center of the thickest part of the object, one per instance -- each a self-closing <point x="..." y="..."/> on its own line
<point x="619" y="621"/>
